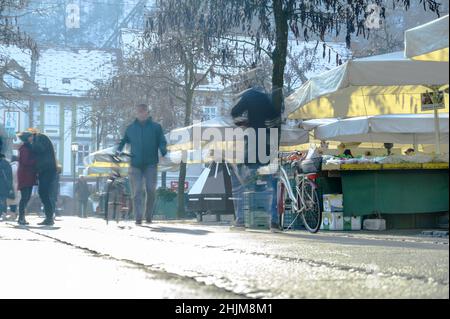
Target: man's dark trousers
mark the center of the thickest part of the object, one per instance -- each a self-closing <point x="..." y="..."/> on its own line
<point x="45" y="180"/>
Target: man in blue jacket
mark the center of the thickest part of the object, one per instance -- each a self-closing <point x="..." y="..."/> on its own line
<point x="145" y="137"/>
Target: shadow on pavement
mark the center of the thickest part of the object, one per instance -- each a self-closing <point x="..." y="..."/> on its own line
<point x="163" y="229"/>
<point x="36" y="227"/>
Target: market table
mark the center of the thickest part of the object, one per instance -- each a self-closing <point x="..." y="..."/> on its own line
<point x="391" y="189"/>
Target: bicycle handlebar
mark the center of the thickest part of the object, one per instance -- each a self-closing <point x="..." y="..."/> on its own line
<point x="116" y="158"/>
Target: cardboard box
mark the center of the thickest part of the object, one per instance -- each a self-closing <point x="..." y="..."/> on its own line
<point x="337" y="222"/>
<point x="333" y="203"/>
<point x="353" y="223"/>
<point x="332" y="221"/>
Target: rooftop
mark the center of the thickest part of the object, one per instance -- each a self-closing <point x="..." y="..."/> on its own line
<point x="68" y="72"/>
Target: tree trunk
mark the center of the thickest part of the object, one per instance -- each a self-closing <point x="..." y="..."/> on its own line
<point x="183" y="166"/>
<point x="33" y="91"/>
<point x="279" y="54"/>
<point x="181" y="181"/>
<point x="164" y="180"/>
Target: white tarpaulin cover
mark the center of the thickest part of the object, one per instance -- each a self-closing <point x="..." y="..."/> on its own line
<point x="428" y="42"/>
<point x="401" y="129"/>
<point x="290" y="136"/>
<point x="100" y="162"/>
<point x="384" y="84"/>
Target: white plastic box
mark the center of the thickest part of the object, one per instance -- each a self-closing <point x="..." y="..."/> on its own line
<point x="375" y="224"/>
<point x="333" y="203"/>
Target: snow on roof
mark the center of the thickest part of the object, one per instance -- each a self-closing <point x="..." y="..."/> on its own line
<point x="22" y="57"/>
<point x="129" y="40"/>
<point x="74" y="72"/>
<point x="70" y="72"/>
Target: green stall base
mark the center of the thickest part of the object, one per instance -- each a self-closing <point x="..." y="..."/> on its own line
<point x="395" y="192"/>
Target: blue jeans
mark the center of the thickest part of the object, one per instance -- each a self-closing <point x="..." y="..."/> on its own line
<point x="244" y="183"/>
<point x="139" y="177"/>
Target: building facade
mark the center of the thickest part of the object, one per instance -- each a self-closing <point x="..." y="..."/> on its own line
<point x="58" y="105"/>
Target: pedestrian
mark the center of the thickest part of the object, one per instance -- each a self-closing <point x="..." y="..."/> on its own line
<point x="82" y="193"/>
<point x="145" y="137"/>
<point x="12" y="203"/>
<point x="6" y="185"/>
<point x="257" y="105"/>
<point x="55" y="190"/>
<point x="26" y="174"/>
<point x="42" y="148"/>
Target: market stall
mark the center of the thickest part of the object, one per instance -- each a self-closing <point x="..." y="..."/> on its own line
<point x="379" y="100"/>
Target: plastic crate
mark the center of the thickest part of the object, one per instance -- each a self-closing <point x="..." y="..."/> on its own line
<point x="258" y="201"/>
<point x="257" y="219"/>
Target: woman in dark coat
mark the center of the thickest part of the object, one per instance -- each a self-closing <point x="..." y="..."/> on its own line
<point x="26" y="174"/>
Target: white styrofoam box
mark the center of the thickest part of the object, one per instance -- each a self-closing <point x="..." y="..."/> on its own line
<point x="333" y="203"/>
<point x="375" y="224"/>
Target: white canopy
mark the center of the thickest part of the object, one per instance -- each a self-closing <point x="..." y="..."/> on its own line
<point x="290" y="136"/>
<point x="400" y="128"/>
<point x="384" y="84"/>
<point x="428" y="42"/>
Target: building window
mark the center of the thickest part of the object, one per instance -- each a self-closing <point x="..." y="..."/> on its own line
<point x="51" y="116"/>
<point x="83" y="151"/>
<point x="209" y="113"/>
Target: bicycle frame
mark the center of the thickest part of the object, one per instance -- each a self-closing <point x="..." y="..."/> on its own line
<point x="298" y="199"/>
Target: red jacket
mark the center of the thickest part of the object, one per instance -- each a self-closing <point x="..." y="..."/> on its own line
<point x="26" y="174"/>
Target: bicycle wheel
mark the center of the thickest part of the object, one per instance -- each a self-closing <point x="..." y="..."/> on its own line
<point x="310" y="204"/>
<point x="281" y="203"/>
<point x="111" y="203"/>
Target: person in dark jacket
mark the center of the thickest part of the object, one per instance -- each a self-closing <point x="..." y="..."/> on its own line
<point x="261" y="114"/>
<point x="146" y="138"/>
<point x="42" y="148"/>
<point x="82" y="192"/>
<point x="26" y="174"/>
<point x="6" y="184"/>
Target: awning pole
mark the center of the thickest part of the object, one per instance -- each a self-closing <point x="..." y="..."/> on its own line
<point x="437" y="131"/>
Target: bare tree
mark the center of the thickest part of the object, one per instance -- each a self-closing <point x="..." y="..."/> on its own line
<point x="274" y="20"/>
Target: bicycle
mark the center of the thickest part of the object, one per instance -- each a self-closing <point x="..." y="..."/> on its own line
<point x="304" y="202"/>
<point x="117" y="196"/>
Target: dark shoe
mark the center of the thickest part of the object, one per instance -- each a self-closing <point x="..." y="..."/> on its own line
<point x="138" y="222"/>
<point x="23" y="222"/>
<point x="275" y="228"/>
<point x="47" y="223"/>
<point x="148" y="221"/>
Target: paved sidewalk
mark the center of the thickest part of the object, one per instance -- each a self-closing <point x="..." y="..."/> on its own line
<point x="258" y="264"/>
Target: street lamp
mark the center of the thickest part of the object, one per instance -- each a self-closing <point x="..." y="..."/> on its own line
<point x="74" y="149"/>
